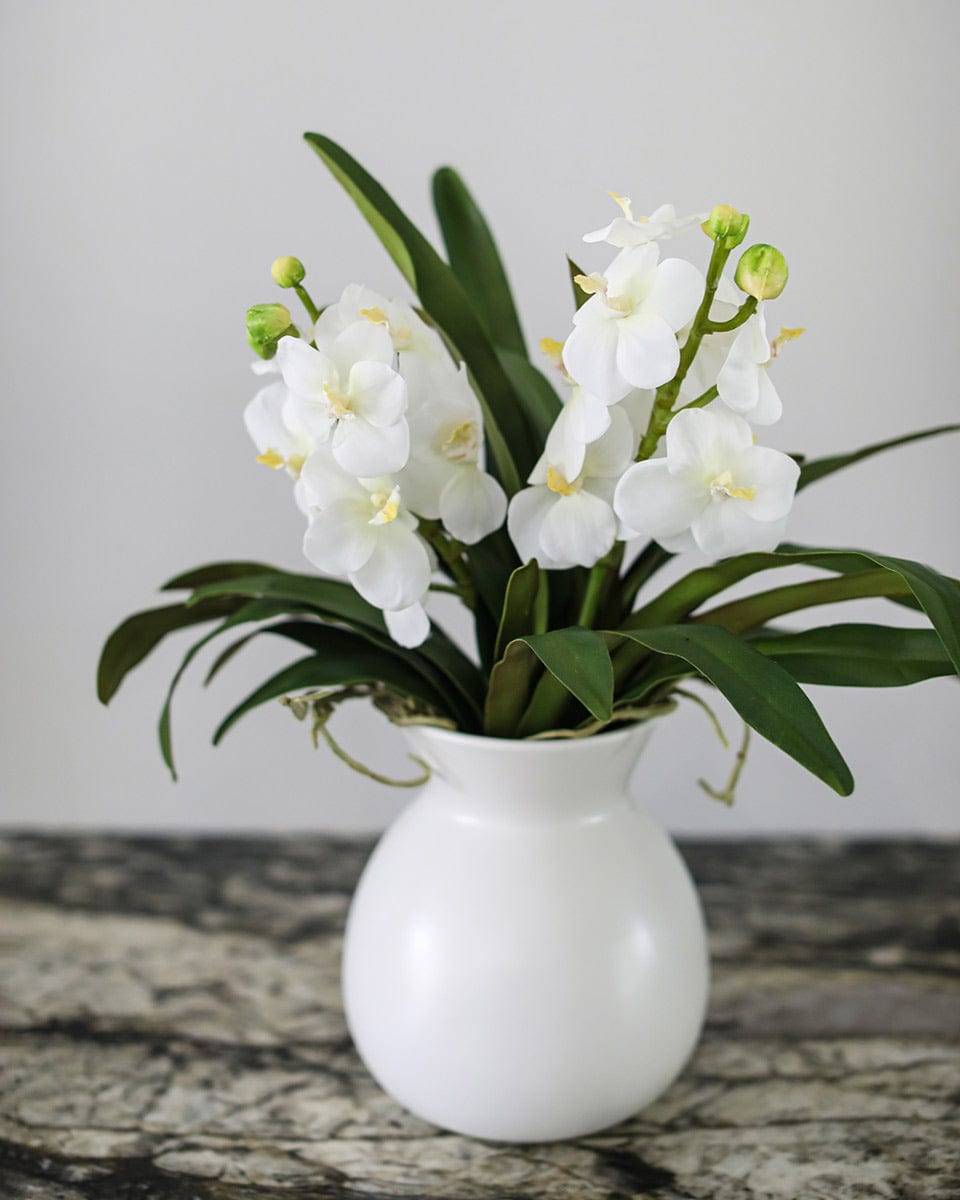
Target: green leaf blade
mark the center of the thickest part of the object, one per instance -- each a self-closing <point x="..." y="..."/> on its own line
<point x="858" y="655"/>
<point x="760" y="690"/>
<point x="812" y="470"/>
<point x="475" y="260"/>
<point x="580" y="661"/>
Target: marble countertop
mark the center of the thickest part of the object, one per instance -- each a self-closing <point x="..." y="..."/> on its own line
<point x="170" y="1028"/>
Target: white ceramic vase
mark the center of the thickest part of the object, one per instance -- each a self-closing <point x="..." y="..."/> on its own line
<point x="525" y="955"/>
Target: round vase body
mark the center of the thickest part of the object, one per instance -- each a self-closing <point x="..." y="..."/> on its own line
<point x="525" y="956"/>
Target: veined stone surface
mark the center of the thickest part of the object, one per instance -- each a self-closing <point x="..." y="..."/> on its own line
<point x="170" y="1029"/>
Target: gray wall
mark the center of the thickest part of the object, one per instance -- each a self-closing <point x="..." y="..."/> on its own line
<point x="154" y="168"/>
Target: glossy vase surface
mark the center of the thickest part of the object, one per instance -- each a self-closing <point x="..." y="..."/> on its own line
<point x="525" y="956"/>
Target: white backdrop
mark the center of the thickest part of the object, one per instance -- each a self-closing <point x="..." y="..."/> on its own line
<point x="153" y="169"/>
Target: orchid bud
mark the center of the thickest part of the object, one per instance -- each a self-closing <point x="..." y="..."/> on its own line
<point x="726" y="226"/>
<point x="762" y="272"/>
<point x="288" y="271"/>
<point x="266" y="325"/>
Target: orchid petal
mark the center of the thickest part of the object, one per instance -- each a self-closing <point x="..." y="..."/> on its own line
<point x="472" y="504"/>
<point x="340" y="538"/>
<point x="578" y="529"/>
<point x="657" y="503"/>
<point x="363" y="450"/>
<point x="409" y="627"/>
<point x="647" y="351"/>
<point x="397" y="573"/>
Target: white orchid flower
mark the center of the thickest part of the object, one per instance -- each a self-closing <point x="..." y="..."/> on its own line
<point x="444" y="477"/>
<point x="412" y="338"/>
<point x="624" y="336"/>
<point x="348" y="392"/>
<point x="628" y="230"/>
<point x="742" y="382"/>
<point x="584" y="418"/>
<point x="565" y="522"/>
<point x="281" y="439"/>
<point x="715" y="490"/>
<point x="360" y="530"/>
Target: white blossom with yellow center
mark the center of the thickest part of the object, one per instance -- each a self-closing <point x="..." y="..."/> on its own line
<point x="629" y="230"/>
<point x="445" y="478"/>
<point x="624" y="336"/>
<point x="743" y="383"/>
<point x="716" y="490"/>
<point x="565" y="522"/>
<point x="361" y="530"/>
<point x="347" y="391"/>
<point x="281" y="440"/>
<point x="411" y="337"/>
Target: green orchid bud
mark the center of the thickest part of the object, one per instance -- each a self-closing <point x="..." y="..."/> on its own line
<point x="762" y="272"/>
<point x="726" y="225"/>
<point x="288" y="271"/>
<point x="266" y="325"/>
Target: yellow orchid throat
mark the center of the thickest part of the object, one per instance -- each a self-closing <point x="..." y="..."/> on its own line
<point x="558" y="483"/>
<point x="387" y="505"/>
<point x="722" y="485"/>
<point x="462" y="443"/>
<point x="340" y="404"/>
<point x="275" y="460"/>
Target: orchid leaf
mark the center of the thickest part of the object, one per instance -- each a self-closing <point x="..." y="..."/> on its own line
<point x="858" y="655"/>
<point x="579" y="660"/>
<point x="760" y="690"/>
<point x="343" y="659"/>
<point x="812" y="470"/>
<point x="580" y="297"/>
<point x="475" y="260"/>
<point x="255" y="610"/>
<point x="217" y="572"/>
<point x="519" y="604"/>
<point x="337" y="601"/>
<point x="138" y="635"/>
<point x="445" y="301"/>
<point x="511" y="682"/>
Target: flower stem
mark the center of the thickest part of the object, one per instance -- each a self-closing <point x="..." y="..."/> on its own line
<point x="702" y="400"/>
<point x="598" y="583"/>
<point x="306" y="300"/>
<point x="450" y="553"/>
<point x="667" y="393"/>
<point x="740" y="317"/>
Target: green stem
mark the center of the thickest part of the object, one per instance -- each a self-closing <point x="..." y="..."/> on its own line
<point x="668" y="392"/>
<point x="450" y="553"/>
<point x="306" y="300"/>
<point x="702" y="400"/>
<point x="598" y="583"/>
<point x="740" y="317"/>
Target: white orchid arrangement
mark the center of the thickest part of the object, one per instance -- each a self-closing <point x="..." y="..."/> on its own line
<point x="428" y="453"/>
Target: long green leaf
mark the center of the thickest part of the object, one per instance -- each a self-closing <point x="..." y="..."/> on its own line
<point x="134" y="638"/>
<point x="217" y="572"/>
<point x="335" y="600"/>
<point x="519" y="605"/>
<point x="511" y="682"/>
<point x="255" y="610"/>
<point x="580" y="661"/>
<point x="540" y="402"/>
<point x="444" y="299"/>
<point x="580" y="297"/>
<point x="475" y="259"/>
<point x="760" y="690"/>
<point x="856" y="655"/>
<point x="818" y="468"/>
<point x="344" y="659"/>
<point x="938" y="595"/>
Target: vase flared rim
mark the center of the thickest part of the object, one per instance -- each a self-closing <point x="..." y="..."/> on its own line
<point x="452" y="737"/>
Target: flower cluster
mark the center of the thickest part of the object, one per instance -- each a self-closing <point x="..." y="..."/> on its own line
<point x="380" y="429"/>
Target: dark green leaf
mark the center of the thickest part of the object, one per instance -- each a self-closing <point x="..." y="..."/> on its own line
<point x="519" y="604"/>
<point x="512" y="447"/>
<point x="818" y="468"/>
<point x="511" y="682"/>
<point x="858" y="655"/>
<point x="580" y="661"/>
<point x="760" y="690"/>
<point x="541" y="404"/>
<point x="475" y="260"/>
<point x="255" y="610"/>
<point x="580" y="297"/>
<point x="217" y="572"/>
<point x="132" y="641"/>
<point x="343" y="659"/>
<point x="334" y="600"/>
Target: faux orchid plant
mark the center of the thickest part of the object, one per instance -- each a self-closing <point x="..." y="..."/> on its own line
<point x="429" y="453"/>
